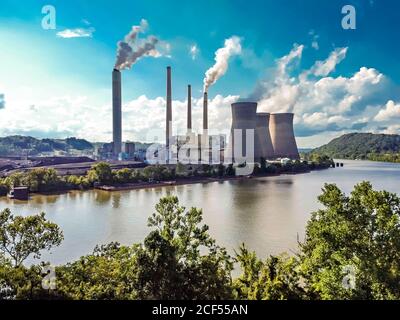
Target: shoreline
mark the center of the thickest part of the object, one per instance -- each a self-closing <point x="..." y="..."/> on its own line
<point x="187" y="181"/>
<point x="170" y="183"/>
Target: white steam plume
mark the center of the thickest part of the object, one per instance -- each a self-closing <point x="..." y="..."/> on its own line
<point x="132" y="49"/>
<point x="231" y="47"/>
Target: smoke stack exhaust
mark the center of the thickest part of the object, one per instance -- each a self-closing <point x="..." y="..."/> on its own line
<point x="117" y="113"/>
<point x="189" y="109"/>
<point x="168" y="132"/>
<point x="205" y="112"/>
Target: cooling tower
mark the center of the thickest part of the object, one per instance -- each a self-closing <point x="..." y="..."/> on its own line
<point x="117" y="113"/>
<point x="189" y="109"/>
<point x="282" y="135"/>
<point x="243" y="117"/>
<point x="205" y="112"/>
<point x="262" y="137"/>
<point x="168" y="125"/>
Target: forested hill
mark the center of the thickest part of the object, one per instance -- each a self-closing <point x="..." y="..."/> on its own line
<point x="21" y="145"/>
<point x="380" y="147"/>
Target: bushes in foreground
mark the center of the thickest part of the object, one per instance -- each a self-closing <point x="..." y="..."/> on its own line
<point x="351" y="251"/>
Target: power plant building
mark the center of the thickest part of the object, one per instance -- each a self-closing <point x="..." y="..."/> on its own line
<point x="273" y="134"/>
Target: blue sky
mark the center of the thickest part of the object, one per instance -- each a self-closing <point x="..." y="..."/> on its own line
<point x="56" y="86"/>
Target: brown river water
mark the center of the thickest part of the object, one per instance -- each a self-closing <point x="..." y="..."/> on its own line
<point x="268" y="214"/>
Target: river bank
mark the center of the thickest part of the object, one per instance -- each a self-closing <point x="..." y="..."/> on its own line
<point x="181" y="181"/>
<point x="102" y="176"/>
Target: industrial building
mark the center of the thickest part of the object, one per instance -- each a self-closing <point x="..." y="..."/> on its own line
<point x="272" y="134"/>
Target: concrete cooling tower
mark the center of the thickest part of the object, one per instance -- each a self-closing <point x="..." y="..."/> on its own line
<point x="262" y="136"/>
<point x="282" y="136"/>
<point x="243" y="117"/>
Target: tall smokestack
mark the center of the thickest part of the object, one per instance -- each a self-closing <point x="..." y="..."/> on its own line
<point x="205" y="112"/>
<point x="189" y="109"/>
<point x="117" y="116"/>
<point x="168" y="132"/>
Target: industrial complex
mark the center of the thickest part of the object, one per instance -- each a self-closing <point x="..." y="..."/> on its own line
<point x="273" y="135"/>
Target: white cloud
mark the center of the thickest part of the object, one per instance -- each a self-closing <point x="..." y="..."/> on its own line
<point x="391" y="111"/>
<point x="322" y="103"/>
<point x="77" y="116"/>
<point x="323" y="68"/>
<point x="392" y="129"/>
<point x="194" y="51"/>
<point x="76" y="33"/>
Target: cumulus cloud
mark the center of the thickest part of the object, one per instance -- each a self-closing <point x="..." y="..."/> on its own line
<point x="143" y="118"/>
<point x="76" y="33"/>
<point x="322" y="102"/>
<point x="390" y="112"/>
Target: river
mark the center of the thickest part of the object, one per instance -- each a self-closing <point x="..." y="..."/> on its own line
<point x="268" y="214"/>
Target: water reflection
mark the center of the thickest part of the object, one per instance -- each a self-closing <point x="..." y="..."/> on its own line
<point x="267" y="214"/>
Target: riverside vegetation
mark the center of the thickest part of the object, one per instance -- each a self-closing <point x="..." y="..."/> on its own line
<point x="47" y="180"/>
<point x="351" y="250"/>
<point x="363" y="146"/>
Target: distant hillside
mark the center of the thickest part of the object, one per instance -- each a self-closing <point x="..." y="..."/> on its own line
<point x="21" y="145"/>
<point x="379" y="147"/>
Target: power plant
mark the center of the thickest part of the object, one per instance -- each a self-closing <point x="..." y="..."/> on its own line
<point x="273" y="133"/>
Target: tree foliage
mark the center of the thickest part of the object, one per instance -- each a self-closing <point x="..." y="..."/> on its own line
<point x="380" y="147"/>
<point x="351" y="250"/>
<point x="361" y="233"/>
<point x="21" y="237"/>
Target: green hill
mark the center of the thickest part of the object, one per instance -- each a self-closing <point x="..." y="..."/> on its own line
<point x="21" y="145"/>
<point x="378" y="147"/>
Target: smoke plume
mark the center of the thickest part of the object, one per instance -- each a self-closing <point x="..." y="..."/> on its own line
<point x="131" y="49"/>
<point x="231" y="47"/>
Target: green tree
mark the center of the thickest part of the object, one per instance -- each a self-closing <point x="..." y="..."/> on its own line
<point x="123" y="175"/>
<point x="21" y="237"/>
<point x="170" y="264"/>
<point x="100" y="172"/>
<point x="274" y="279"/>
<point x="108" y="273"/>
<point x="356" y="236"/>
